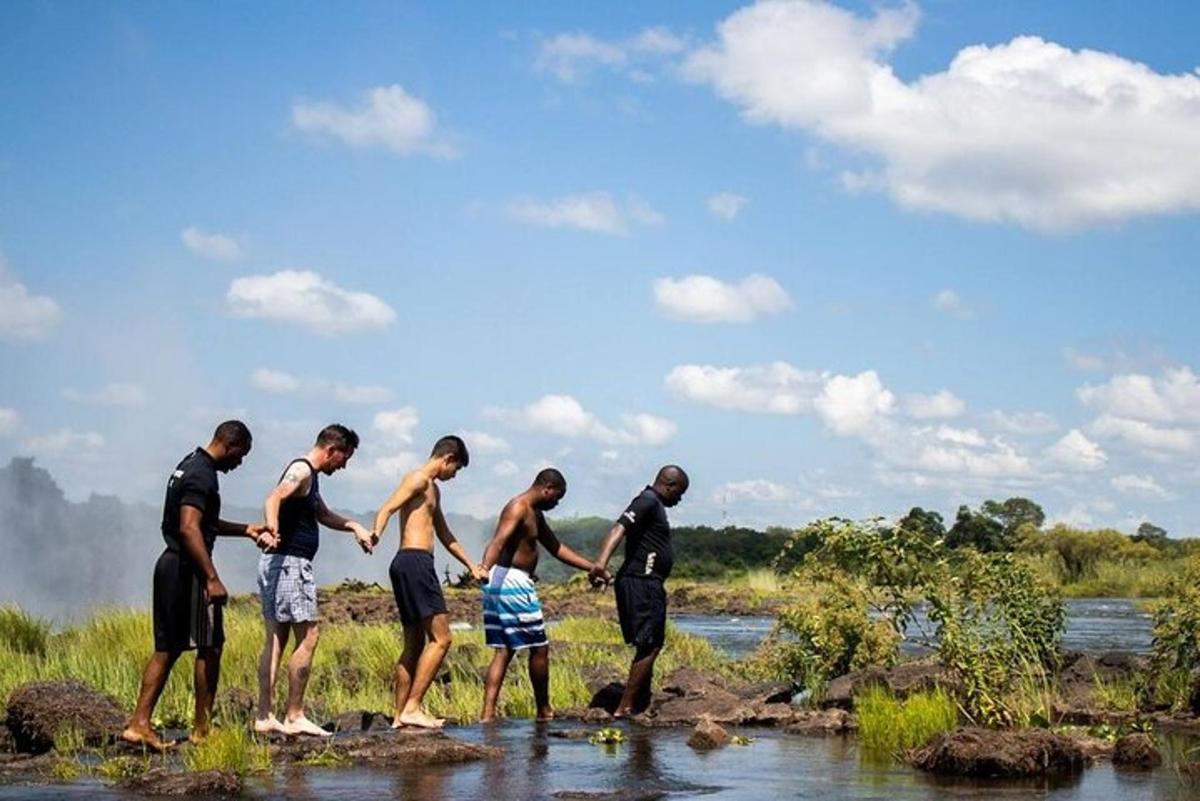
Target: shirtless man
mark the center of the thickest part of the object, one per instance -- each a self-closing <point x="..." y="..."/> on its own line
<point x="512" y="612"/>
<point x="414" y="582"/>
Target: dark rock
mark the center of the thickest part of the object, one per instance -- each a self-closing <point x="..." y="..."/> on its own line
<point x="771" y="715"/>
<point x="1095" y="749"/>
<point x="1136" y="752"/>
<point x="162" y="782"/>
<point x="1108" y="666"/>
<point x="821" y="722"/>
<point x="716" y="704"/>
<point x="607" y="697"/>
<point x="7" y="744"/>
<point x="570" y="734"/>
<point x="39" y="710"/>
<point x="766" y="693"/>
<point x="984" y="753"/>
<point x="402" y="747"/>
<point x="359" y="720"/>
<point x="688" y="681"/>
<point x="902" y="680"/>
<point x="708" y="735"/>
<point x="597" y="677"/>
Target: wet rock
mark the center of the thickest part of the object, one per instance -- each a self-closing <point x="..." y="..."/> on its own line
<point x="162" y="782"/>
<point x="688" y="681"/>
<point x="987" y="753"/>
<point x="1095" y="749"/>
<point x="1078" y="680"/>
<point x="902" y="680"/>
<point x="570" y="734"/>
<point x="360" y="720"/>
<point x="1136" y="752"/>
<point x="766" y="692"/>
<point x="708" y="735"/>
<point x="821" y="722"/>
<point x="771" y="715"/>
<point x="402" y="747"/>
<point x="607" y="697"/>
<point x="715" y="704"/>
<point x="39" y="710"/>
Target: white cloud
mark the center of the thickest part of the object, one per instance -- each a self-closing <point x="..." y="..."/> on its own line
<point x="564" y="416"/>
<point x="381" y="471"/>
<point x="116" y="394"/>
<point x="961" y="436"/>
<point x="276" y="381"/>
<point x="63" y="440"/>
<point x="306" y="299"/>
<point x="1140" y="485"/>
<point x="482" y="442"/>
<point x="951" y="303"/>
<point x="1088" y="362"/>
<point x="366" y="394"/>
<point x="597" y="212"/>
<point x="942" y="404"/>
<point x="704" y="299"/>
<point x="387" y="117"/>
<point x="505" y="468"/>
<point x="726" y="205"/>
<point x="776" y="388"/>
<point x="1172" y="398"/>
<point x="1075" y="451"/>
<point x="1026" y="131"/>
<point x="849" y="404"/>
<point x="397" y="425"/>
<point x="220" y="247"/>
<point x="10" y="420"/>
<point x="1143" y="435"/>
<point x="571" y="56"/>
<point x="22" y="315"/>
<point x="1023" y="422"/>
<point x="757" y="489"/>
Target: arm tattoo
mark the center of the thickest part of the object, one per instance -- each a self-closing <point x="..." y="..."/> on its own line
<point x="296" y="474"/>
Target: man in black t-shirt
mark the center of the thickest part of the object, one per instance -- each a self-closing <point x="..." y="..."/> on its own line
<point x="641" y="596"/>
<point x="188" y="593"/>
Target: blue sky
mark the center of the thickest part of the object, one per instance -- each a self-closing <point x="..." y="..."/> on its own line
<point x="831" y="259"/>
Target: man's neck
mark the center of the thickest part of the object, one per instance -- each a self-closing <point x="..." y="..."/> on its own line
<point x="432" y="469"/>
<point x="316" y="458"/>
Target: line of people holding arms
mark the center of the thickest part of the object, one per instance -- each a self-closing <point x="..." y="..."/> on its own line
<point x="189" y="597"/>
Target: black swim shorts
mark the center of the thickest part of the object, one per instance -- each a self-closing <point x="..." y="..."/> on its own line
<point x="415" y="584"/>
<point x="642" y="610"/>
<point x="183" y="618"/>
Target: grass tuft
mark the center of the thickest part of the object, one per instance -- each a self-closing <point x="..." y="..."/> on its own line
<point x="889" y="726"/>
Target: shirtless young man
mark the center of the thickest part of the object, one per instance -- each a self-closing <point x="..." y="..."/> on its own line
<point x="418" y="592"/>
<point x="512" y="613"/>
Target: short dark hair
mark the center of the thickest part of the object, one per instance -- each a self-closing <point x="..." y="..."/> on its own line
<point x="340" y="437"/>
<point x="233" y="434"/>
<point x="451" y="445"/>
<point x="672" y="475"/>
<point x="551" y="478"/>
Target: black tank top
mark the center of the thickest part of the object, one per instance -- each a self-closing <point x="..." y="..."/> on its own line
<point x="298" y="531"/>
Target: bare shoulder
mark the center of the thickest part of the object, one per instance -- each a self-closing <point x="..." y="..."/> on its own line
<point x="415" y="481"/>
<point x="296" y="472"/>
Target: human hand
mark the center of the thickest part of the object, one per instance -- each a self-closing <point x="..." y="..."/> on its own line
<point x="599" y="577"/>
<point x="365" y="539"/>
<point x="479" y="573"/>
<point x="216" y="592"/>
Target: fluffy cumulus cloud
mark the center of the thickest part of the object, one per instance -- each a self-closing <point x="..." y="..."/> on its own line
<point x="951" y="303"/>
<point x="704" y="299"/>
<point x="483" y="442"/>
<point x="306" y="299"/>
<point x="64" y="441"/>
<point x="727" y="205"/>
<point x="1075" y="451"/>
<point x="564" y="416"/>
<point x="24" y="315"/>
<point x="385" y="116"/>
<point x="1143" y="485"/>
<point x="942" y="404"/>
<point x="1025" y="131"/>
<point x="397" y="425"/>
<point x="219" y="247"/>
<point x="597" y="212"/>
<point x="850" y="404"/>
<point x="1155" y="414"/>
<point x="776" y="388"/>
<point x="1023" y="422"/>
<point x="756" y="489"/>
<point x="115" y="394"/>
<point x="570" y="57"/>
<point x="280" y="382"/>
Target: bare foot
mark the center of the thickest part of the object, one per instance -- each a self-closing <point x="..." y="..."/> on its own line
<point x="397" y="723"/>
<point x="303" y="725"/>
<point x="421" y="720"/>
<point x="545" y="714"/>
<point x="143" y="735"/>
<point x="268" y="725"/>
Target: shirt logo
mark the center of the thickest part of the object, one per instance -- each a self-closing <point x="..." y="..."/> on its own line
<point x="650" y="562"/>
<point x="630" y="516"/>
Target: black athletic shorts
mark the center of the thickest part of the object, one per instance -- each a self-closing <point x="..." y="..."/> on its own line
<point x="642" y="610"/>
<point x="183" y="618"/>
<point x="415" y="584"/>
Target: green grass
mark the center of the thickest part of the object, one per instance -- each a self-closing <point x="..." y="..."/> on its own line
<point x="23" y="633"/>
<point x="1118" y="695"/>
<point x="889" y="726"/>
<point x="233" y="749"/>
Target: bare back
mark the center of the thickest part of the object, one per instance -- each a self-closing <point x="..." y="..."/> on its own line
<point x="419" y="515"/>
<point x="521" y="548"/>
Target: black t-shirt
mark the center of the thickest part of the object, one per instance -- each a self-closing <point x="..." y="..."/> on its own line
<point x="194" y="483"/>
<point x="647" y="537"/>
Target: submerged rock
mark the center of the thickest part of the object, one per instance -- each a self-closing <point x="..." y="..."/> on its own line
<point x="360" y="720"/>
<point x="708" y="735"/>
<point x="162" y="782"/>
<point x="821" y="722"/>
<point x="401" y="747"/>
<point x="39" y="711"/>
<point x="1136" y="752"/>
<point x="987" y="753"/>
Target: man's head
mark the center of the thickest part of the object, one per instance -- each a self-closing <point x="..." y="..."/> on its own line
<point x="549" y="487"/>
<point x="670" y="484"/>
<point x="230" y="444"/>
<point x="452" y="454"/>
<point x="336" y="444"/>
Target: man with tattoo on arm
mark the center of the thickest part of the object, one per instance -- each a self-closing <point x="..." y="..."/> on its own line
<point x="286" y="586"/>
<point x="641" y="596"/>
<point x="414" y="582"/>
<point x="188" y="593"/>
<point x="512" y="612"/>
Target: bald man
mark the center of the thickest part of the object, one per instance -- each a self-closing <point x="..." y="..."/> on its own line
<point x="641" y="596"/>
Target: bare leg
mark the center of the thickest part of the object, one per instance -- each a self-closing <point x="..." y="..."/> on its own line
<point x="495" y="678"/>
<point x="299" y="669"/>
<point x="637" y="688"/>
<point x="437" y="643"/>
<point x="154" y="679"/>
<point x="539" y="677"/>
<point x="268" y="669"/>
<point x="414" y="643"/>
<point x="208" y="672"/>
